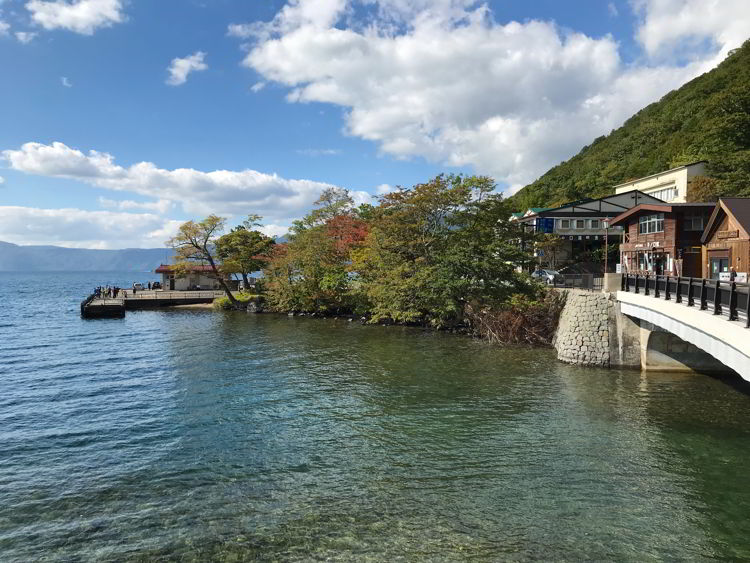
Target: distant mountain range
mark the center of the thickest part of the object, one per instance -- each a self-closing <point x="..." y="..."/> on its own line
<point x="15" y="258"/>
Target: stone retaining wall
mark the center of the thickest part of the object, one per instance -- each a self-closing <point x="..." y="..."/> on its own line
<point x="583" y="334"/>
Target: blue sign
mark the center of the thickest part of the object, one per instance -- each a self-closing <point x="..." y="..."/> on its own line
<point x="545" y="225"/>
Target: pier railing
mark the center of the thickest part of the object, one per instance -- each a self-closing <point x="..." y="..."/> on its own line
<point x="176" y="295"/>
<point x="728" y="298"/>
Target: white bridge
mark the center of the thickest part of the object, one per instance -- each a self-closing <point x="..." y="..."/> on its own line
<point x="710" y="315"/>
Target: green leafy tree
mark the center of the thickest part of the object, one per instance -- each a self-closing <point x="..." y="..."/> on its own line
<point x="244" y="250"/>
<point x="433" y="248"/>
<point x="195" y="244"/>
<point x="311" y="273"/>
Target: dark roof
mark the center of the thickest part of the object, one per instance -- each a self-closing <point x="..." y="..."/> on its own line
<point x="168" y="268"/>
<point x="737" y="207"/>
<point x="661" y="207"/>
<point x="609" y="206"/>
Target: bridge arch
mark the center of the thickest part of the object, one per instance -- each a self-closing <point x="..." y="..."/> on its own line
<point x="727" y="342"/>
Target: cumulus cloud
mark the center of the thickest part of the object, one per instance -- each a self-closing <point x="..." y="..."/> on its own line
<point x="180" y="68"/>
<point x="525" y="95"/>
<point x="224" y="192"/>
<point x="84" y="229"/>
<point x="2" y="180"/>
<point x="25" y="37"/>
<point x="65" y="81"/>
<point x="667" y="26"/>
<point x="4" y="27"/>
<point x="257" y="87"/>
<point x="161" y="206"/>
<point x="79" y="16"/>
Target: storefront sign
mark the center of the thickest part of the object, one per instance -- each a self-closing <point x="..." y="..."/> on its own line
<point x="727" y="234"/>
<point x="654" y="244"/>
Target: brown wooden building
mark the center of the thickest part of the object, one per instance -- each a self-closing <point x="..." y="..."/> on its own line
<point x="726" y="239"/>
<point x="663" y="238"/>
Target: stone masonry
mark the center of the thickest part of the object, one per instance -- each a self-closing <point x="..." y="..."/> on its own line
<point x="583" y="334"/>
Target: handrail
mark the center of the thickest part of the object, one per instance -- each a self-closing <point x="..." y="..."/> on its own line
<point x="730" y="296"/>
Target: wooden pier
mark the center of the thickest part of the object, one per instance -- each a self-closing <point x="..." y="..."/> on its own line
<point x="108" y="307"/>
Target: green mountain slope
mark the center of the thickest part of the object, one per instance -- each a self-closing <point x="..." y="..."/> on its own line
<point x="706" y="119"/>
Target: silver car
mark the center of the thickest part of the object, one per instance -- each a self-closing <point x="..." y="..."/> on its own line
<point x="550" y="277"/>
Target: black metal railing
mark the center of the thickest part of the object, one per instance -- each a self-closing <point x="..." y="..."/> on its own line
<point x="720" y="297"/>
<point x="591" y="282"/>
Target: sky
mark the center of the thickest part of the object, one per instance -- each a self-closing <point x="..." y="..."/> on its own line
<point x="121" y="119"/>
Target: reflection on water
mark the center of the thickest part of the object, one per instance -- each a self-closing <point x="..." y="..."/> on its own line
<point x="202" y="436"/>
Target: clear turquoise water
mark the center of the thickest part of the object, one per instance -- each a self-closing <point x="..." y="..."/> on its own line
<point x="198" y="436"/>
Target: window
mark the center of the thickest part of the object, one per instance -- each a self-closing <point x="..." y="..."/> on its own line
<point x="665" y="194"/>
<point x="564" y="223"/>
<point x="595" y="223"/>
<point x="694" y="222"/>
<point x="580" y="224"/>
<point x="651" y="224"/>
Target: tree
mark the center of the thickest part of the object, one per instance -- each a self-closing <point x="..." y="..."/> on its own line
<point x="435" y="247"/>
<point x="244" y="250"/>
<point x="195" y="244"/>
<point x="311" y="273"/>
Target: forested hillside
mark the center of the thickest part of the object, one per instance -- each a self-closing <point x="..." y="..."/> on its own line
<point x="706" y="119"/>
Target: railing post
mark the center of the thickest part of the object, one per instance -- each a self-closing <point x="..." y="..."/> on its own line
<point x="657" y="293"/>
<point x="747" y="307"/>
<point x="624" y="282"/>
<point x="733" y="302"/>
<point x="646" y="278"/>
<point x="678" y="297"/>
<point x="704" y="301"/>
<point x="691" y="302"/>
<point x="636" y="283"/>
<point x="667" y="296"/>
<point x="717" y="298"/>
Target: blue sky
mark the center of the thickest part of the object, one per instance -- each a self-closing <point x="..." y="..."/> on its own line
<point x="268" y="102"/>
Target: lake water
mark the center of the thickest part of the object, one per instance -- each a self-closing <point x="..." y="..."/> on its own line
<point x="202" y="436"/>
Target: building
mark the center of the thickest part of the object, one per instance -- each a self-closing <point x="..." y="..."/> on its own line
<point x="197" y="277"/>
<point x="671" y="186"/>
<point x="583" y="225"/>
<point x="663" y="238"/>
<point x="726" y="240"/>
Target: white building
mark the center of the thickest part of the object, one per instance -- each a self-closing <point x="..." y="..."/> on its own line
<point x="670" y="186"/>
<point x="199" y="277"/>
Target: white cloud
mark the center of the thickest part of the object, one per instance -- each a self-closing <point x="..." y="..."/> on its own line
<point x="180" y="68"/>
<point x="2" y="180"/>
<point x="161" y="206"/>
<point x="84" y="229"/>
<point x="25" y="37"/>
<point x="383" y="189"/>
<point x="79" y="16"/>
<point x="319" y="152"/>
<point x="66" y="82"/>
<point x="224" y="192"/>
<point x="526" y="95"/>
<point x="672" y="26"/>
<point x="257" y="87"/>
<point x="4" y="27"/>
<point x="613" y="11"/>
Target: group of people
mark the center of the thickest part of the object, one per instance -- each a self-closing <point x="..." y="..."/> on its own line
<point x="108" y="291"/>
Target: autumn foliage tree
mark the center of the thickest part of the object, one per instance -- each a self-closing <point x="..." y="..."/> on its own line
<point x="311" y="273"/>
<point x="195" y="244"/>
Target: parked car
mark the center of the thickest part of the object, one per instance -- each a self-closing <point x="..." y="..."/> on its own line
<point x="156" y="285"/>
<point x="138" y="286"/>
<point x="550" y="277"/>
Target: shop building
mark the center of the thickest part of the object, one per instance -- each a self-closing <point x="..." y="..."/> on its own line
<point x="726" y="240"/>
<point x="671" y="186"/>
<point x="662" y="238"/>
